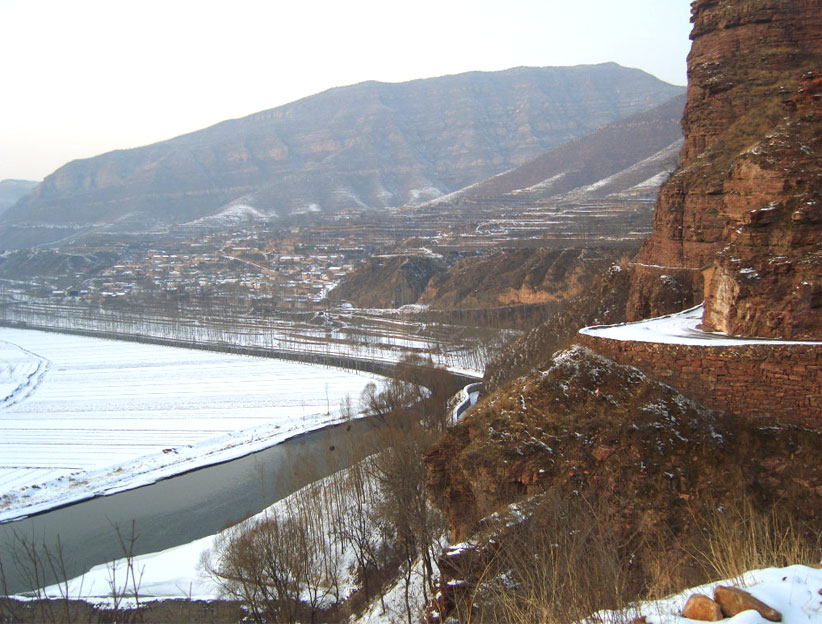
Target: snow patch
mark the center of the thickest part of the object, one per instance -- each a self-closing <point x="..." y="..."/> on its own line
<point x="235" y="213"/>
<point x="545" y="184"/>
<point x="794" y="591"/>
<point x="148" y="412"/>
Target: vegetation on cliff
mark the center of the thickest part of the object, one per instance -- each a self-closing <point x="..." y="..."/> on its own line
<point x="647" y="466"/>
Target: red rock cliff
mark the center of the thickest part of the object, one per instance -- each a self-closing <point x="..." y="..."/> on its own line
<point x="739" y="222"/>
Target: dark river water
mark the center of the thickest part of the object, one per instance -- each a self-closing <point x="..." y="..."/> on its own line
<point x="176" y="510"/>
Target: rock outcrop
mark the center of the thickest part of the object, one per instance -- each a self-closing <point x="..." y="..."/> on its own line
<point x="739" y="224"/>
<point x="703" y="608"/>
<point x="519" y="277"/>
<point x="733" y="600"/>
<point x="388" y="281"/>
<point x="587" y="425"/>
<point x="649" y="465"/>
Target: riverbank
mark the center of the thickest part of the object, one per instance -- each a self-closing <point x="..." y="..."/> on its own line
<point x="86" y="417"/>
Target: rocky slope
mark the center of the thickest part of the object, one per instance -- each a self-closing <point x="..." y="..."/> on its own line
<point x="739" y="223"/>
<point x="638" y="460"/>
<point x="542" y="277"/>
<point x="389" y="281"/>
<point x="518" y="277"/>
<point x="371" y="144"/>
<point x="615" y="158"/>
<point x="602" y="302"/>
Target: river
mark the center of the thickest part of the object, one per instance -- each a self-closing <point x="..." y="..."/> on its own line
<point x="176" y="510"/>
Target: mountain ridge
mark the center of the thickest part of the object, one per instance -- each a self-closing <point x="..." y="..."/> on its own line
<point x="369" y="145"/>
<point x="11" y="190"/>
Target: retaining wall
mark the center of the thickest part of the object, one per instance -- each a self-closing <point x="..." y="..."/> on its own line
<point x="772" y="383"/>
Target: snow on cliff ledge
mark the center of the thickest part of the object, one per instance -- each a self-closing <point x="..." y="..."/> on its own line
<point x="680" y="328"/>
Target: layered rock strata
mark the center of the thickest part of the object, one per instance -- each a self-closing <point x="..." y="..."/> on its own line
<point x="738" y="223"/>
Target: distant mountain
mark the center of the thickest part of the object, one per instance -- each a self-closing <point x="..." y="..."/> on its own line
<point x="12" y="190"/>
<point x="368" y="145"/>
<point x="629" y="157"/>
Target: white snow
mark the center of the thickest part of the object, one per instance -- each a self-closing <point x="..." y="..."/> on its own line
<point x="419" y="195"/>
<point x="794" y="591"/>
<point x="394" y="611"/>
<point x="680" y="328"/>
<point x="86" y="416"/>
<point x="545" y="184"/>
<point x="234" y="213"/>
<point x="652" y="182"/>
<point x="599" y="183"/>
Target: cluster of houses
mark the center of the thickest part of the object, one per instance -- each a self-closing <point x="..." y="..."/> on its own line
<point x="286" y="272"/>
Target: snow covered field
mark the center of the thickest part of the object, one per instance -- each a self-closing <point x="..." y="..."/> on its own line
<point x="85" y="416"/>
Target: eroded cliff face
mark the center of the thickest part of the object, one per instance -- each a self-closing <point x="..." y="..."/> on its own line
<point x="520" y="277"/>
<point x="767" y="279"/>
<point x="737" y="224"/>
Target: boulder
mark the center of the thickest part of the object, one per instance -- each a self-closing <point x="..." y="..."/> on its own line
<point x="701" y="607"/>
<point x="733" y="600"/>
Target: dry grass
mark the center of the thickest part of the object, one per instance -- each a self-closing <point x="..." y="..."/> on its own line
<point x="742" y="537"/>
<point x="565" y="561"/>
<point x="560" y="565"/>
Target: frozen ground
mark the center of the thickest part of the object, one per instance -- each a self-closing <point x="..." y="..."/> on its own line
<point x="85" y="416"/>
<point x="681" y="328"/>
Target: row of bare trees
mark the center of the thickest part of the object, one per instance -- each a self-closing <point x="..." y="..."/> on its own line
<point x="227" y="327"/>
<point x="44" y="567"/>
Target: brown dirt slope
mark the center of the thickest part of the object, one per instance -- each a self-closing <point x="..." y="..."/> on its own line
<point x="388" y="281"/>
<point x="602" y="302"/>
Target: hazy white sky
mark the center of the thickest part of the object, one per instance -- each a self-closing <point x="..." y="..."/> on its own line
<point x="82" y="77"/>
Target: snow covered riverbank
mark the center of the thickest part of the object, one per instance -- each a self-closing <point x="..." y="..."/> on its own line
<point x="794" y="591"/>
<point x="83" y="417"/>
